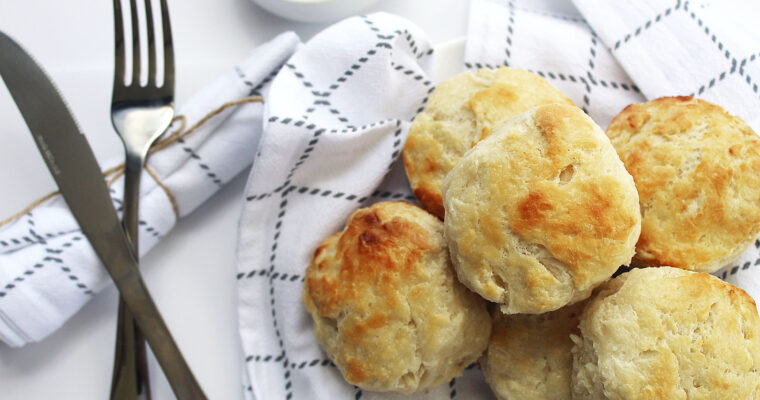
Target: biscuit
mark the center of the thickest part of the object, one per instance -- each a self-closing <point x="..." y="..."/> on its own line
<point x="667" y="333"/>
<point x="460" y="112"/>
<point x="529" y="356"/>
<point x="697" y="170"/>
<point x="540" y="212"/>
<point x="386" y="304"/>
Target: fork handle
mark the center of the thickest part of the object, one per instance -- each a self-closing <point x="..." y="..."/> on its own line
<point x="177" y="372"/>
<point x="130" y="373"/>
<point x="136" y="296"/>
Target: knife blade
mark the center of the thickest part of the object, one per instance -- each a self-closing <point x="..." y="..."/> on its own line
<point x="76" y="172"/>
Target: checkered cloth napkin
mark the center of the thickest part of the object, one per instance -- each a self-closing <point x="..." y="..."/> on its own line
<point x="336" y="120"/>
<point x="48" y="271"/>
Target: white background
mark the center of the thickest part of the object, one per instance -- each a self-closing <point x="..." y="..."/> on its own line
<point x="191" y="273"/>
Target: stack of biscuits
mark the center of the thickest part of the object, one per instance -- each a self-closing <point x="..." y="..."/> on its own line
<point x="528" y="210"/>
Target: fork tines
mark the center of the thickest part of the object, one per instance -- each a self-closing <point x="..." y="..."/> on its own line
<point x="153" y="76"/>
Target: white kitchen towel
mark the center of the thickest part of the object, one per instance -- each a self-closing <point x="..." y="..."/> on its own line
<point x="550" y="38"/>
<point x="335" y="124"/>
<point x="48" y="270"/>
<point x="707" y="49"/>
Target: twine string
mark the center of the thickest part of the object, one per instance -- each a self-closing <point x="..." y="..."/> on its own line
<point x="113" y="173"/>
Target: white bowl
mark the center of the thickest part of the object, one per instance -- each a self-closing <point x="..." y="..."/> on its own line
<point x="314" y="10"/>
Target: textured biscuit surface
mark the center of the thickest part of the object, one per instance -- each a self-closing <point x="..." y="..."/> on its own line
<point x="387" y="307"/>
<point x="529" y="356"/>
<point x="697" y="170"/>
<point x="668" y="333"/>
<point x="460" y="112"/>
<point x="541" y="211"/>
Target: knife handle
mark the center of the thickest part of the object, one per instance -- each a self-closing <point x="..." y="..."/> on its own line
<point x="138" y="300"/>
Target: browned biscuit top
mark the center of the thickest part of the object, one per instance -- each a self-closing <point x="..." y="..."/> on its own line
<point x="668" y="333"/>
<point x="386" y="304"/>
<point x="697" y="170"/>
<point x="461" y="111"/>
<point x="541" y="211"/>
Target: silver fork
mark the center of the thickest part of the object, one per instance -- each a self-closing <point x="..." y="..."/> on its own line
<point x="141" y="114"/>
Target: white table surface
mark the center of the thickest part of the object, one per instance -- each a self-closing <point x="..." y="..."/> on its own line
<point x="73" y="40"/>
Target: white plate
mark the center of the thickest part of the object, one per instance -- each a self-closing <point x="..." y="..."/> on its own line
<point x="449" y="59"/>
<point x="314" y="10"/>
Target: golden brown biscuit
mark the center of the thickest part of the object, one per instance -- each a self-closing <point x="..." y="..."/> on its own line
<point x="697" y="170"/>
<point x="529" y="356"/>
<point x="460" y="112"/>
<point x="667" y="333"/>
<point x="387" y="307"/>
<point x="540" y="212"/>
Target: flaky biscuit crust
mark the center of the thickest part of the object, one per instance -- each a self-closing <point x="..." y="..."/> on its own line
<point x="386" y="304"/>
<point x="529" y="356"/>
<point x="668" y="333"/>
<point x="540" y="212"/>
<point x="697" y="170"/>
<point x="460" y="112"/>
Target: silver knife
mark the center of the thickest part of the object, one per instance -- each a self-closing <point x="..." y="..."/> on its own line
<point x="71" y="162"/>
